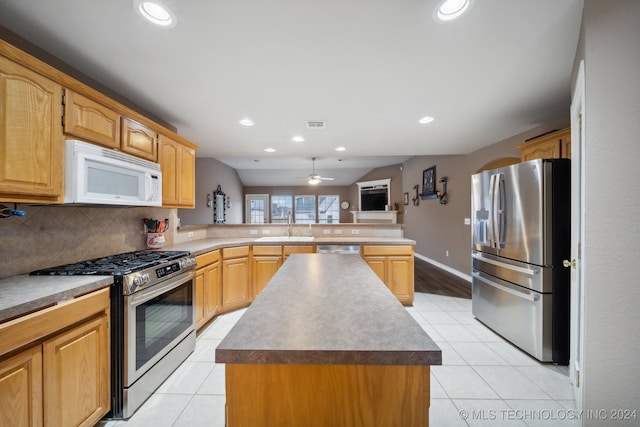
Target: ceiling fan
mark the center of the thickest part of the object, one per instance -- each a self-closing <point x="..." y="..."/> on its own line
<point x="315" y="179"/>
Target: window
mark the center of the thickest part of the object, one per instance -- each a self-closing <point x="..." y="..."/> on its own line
<point x="280" y="208"/>
<point x="328" y="209"/>
<point x="305" y="210"/>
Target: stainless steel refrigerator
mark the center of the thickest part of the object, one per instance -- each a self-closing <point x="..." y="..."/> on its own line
<point x="520" y="236"/>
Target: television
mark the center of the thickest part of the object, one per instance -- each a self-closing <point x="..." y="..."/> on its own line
<point x="373" y="200"/>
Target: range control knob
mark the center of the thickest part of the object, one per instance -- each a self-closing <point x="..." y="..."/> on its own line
<point x="146" y="278"/>
<point x="137" y="281"/>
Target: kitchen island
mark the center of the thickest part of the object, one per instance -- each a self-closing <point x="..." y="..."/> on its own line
<point x="327" y="343"/>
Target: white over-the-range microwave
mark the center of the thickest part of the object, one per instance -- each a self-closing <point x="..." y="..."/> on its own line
<point x="96" y="175"/>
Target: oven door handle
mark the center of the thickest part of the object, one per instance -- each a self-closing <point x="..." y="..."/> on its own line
<point x="148" y="294"/>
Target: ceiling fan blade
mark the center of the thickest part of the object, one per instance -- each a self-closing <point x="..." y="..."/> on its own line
<point x="325" y="179"/>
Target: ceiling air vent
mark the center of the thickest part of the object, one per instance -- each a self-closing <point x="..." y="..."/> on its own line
<point x="316" y="124"/>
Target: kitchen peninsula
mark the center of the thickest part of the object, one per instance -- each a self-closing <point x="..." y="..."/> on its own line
<point x="327" y="343"/>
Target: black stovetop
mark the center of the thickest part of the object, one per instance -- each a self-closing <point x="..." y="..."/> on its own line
<point x="113" y="265"/>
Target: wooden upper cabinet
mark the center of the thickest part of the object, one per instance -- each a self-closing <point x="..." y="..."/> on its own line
<point x="139" y="140"/>
<point x="90" y="120"/>
<point x="31" y="139"/>
<point x="178" y="163"/>
<point x="554" y="145"/>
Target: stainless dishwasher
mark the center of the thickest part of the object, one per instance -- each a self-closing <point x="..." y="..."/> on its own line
<point x="338" y="249"/>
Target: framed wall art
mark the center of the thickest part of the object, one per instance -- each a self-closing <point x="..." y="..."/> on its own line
<point x="429" y="181"/>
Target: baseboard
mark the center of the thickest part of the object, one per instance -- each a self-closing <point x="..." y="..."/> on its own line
<point x="444" y="267"/>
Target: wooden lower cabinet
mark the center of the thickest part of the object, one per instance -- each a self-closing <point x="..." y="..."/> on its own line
<point x="394" y="265"/>
<point x="55" y="365"/>
<point x="266" y="395"/>
<point x="236" y="285"/>
<point x="208" y="283"/>
<point x="21" y="389"/>
<point x="265" y="262"/>
<point x="76" y="375"/>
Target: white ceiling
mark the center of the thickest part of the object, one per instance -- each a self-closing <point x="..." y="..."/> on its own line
<point x="369" y="68"/>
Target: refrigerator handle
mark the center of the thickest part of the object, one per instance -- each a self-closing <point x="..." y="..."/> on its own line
<point x="527" y="271"/>
<point x="525" y="295"/>
<point x="492" y="216"/>
<point x="499" y="216"/>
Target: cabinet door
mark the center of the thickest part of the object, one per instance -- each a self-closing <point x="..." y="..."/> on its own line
<point x="187" y="175"/>
<point x="212" y="303"/>
<point x="87" y="119"/>
<point x="31" y="140"/>
<point x="76" y="375"/>
<point x="400" y="277"/>
<point x="235" y="283"/>
<point x="379" y="266"/>
<point x="263" y="269"/>
<point x="21" y="389"/>
<point x="139" y="140"/>
<point x="199" y="298"/>
<point x="168" y="158"/>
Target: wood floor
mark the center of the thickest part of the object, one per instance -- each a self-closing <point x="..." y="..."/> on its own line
<point x="433" y="280"/>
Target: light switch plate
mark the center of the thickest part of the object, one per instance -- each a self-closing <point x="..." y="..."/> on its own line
<point x="467" y="221"/>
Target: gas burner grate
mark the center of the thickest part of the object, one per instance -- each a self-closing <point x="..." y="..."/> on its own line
<point x="113" y="265"/>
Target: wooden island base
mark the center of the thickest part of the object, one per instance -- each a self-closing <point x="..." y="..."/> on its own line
<point x="327" y="395"/>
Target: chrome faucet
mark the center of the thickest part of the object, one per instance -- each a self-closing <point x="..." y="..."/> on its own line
<point x="289" y="223"/>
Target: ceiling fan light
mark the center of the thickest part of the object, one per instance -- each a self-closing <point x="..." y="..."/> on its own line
<point x="314" y="181"/>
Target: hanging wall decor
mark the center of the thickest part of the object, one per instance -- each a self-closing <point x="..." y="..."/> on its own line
<point x="219" y="206"/>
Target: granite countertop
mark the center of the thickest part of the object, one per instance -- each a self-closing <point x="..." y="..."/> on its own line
<point x="327" y="309"/>
<point x="198" y="247"/>
<point x="20" y="295"/>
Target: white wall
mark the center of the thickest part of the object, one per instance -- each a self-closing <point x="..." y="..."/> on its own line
<point x="611" y="375"/>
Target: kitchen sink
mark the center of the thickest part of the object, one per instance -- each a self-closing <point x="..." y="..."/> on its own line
<point x="285" y="239"/>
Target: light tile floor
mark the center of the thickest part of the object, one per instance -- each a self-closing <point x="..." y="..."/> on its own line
<point x="483" y="380"/>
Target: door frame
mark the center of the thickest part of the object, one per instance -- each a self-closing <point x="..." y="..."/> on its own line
<point x="247" y="207"/>
<point x="578" y="247"/>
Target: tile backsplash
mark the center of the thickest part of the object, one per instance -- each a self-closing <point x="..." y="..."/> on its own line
<point x="54" y="235"/>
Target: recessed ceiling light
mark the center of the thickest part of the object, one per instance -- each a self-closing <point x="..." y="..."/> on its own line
<point x="246" y="122"/>
<point x="425" y="120"/>
<point x="156" y="13"/>
<point x="340" y="148"/>
<point x="298" y="138"/>
<point x="448" y="10"/>
<point x="270" y="150"/>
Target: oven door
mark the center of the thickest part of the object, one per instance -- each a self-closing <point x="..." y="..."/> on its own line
<point x="156" y="320"/>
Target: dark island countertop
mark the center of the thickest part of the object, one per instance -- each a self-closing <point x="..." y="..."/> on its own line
<point x="327" y="309"/>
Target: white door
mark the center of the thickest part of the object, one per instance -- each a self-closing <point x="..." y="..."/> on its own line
<point x="257" y="209"/>
<point x="577" y="237"/>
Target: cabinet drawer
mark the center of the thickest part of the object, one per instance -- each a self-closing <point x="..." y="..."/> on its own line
<point x="387" y="250"/>
<point x="267" y="250"/>
<point x="299" y="249"/>
<point x="236" y="252"/>
<point x="208" y="258"/>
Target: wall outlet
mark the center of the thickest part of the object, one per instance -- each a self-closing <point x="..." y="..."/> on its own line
<point x="253" y="232"/>
<point x="338" y="231"/>
<point x="326" y="231"/>
<point x="467" y="221"/>
<point x="446" y="253"/>
<point x="355" y="231"/>
<point x="190" y="234"/>
<point x="266" y="231"/>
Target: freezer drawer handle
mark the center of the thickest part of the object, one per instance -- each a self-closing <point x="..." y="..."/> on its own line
<point x="523" y="270"/>
<point x="525" y="295"/>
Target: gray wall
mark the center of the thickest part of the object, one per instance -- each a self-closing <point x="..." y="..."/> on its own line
<point x="437" y="228"/>
<point x="610" y="48"/>
<point x="210" y="173"/>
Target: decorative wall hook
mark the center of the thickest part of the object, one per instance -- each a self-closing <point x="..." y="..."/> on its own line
<point x="416" y="199"/>
<point x="442" y="195"/>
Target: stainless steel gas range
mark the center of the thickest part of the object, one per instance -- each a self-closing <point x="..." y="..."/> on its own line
<point x="152" y="319"/>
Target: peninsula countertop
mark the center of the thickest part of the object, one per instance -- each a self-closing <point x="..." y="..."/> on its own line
<point x="327" y="309"/>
